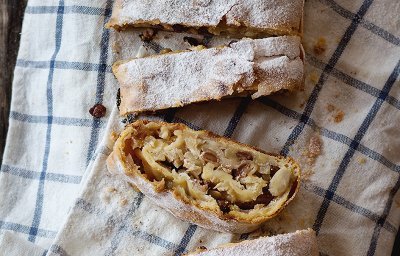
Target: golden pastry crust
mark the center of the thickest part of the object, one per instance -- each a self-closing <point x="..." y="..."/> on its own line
<point x="255" y="67"/>
<point x="299" y="243"/>
<point x="250" y="18"/>
<point x="204" y="178"/>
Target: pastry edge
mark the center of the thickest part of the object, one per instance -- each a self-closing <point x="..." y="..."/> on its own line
<point x="307" y="235"/>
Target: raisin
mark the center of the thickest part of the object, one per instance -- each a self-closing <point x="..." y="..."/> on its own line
<point x="244" y="155"/>
<point x="207" y="40"/>
<point x="98" y="111"/>
<point x="168" y="165"/>
<point x="235" y="174"/>
<point x="179" y="28"/>
<point x="246" y="205"/>
<point x="158" y="27"/>
<point x="148" y="35"/>
<point x="224" y="206"/>
<point x="192" y="41"/>
<point x="204" y="31"/>
<point x="274" y="169"/>
<point x="241" y="171"/>
<point x="265" y="198"/>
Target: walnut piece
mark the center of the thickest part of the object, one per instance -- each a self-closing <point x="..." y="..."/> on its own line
<point x="244" y="155"/>
<point x="209" y="157"/>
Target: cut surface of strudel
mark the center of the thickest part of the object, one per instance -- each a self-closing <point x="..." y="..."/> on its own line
<point x="255" y="67"/>
<point x="250" y="18"/>
<point x="299" y="243"/>
<point x="204" y="178"/>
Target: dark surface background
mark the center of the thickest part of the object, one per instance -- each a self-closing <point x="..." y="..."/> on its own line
<point x="11" y="15"/>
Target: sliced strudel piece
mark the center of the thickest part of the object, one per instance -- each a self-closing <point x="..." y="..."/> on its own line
<point x="250" y="18"/>
<point x="299" y="243"/>
<point x="255" y="67"/>
<point x="203" y="178"/>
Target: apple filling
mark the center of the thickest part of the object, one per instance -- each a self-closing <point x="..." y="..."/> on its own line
<point x="210" y="172"/>
<point x="222" y="29"/>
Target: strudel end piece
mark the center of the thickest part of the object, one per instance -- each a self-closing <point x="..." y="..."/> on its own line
<point x="250" y="18"/>
<point x="255" y="67"/>
<point x="299" y="243"/>
<point x="203" y="178"/>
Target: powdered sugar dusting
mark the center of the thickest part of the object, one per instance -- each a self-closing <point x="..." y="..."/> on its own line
<point x="281" y="15"/>
<point x="174" y="80"/>
<point x="299" y="243"/>
<point x="276" y="14"/>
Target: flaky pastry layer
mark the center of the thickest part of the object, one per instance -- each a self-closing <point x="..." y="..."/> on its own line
<point x="203" y="178"/>
<point x="255" y="67"/>
<point x="250" y="18"/>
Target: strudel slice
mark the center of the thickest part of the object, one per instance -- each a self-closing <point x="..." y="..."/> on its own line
<point x="204" y="178"/>
<point x="242" y="18"/>
<point x="255" y="67"/>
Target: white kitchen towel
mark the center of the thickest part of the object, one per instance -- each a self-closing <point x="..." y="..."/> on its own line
<point x="13" y="245"/>
<point x="62" y="70"/>
<point x="343" y="129"/>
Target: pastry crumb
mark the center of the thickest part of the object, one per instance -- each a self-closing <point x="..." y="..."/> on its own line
<point x="338" y="114"/>
<point x="113" y="136"/>
<point x="111" y="190"/>
<point x="313" y="77"/>
<point x="98" y="111"/>
<point x="330" y="108"/>
<point x="362" y="160"/>
<point x="306" y="174"/>
<point x="123" y="202"/>
<point x="320" y="46"/>
<point x="338" y="117"/>
<point x="105" y="197"/>
<point x="314" y="149"/>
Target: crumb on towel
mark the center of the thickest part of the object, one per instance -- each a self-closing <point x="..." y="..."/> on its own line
<point x="320" y="46"/>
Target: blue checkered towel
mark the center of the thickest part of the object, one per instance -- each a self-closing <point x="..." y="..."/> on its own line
<point x="343" y="128"/>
